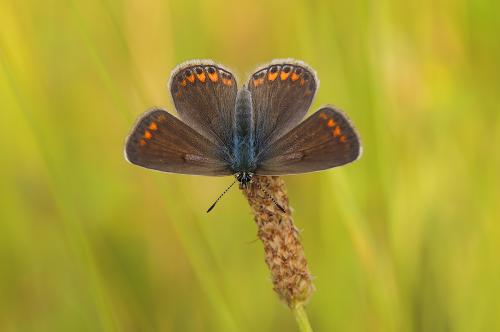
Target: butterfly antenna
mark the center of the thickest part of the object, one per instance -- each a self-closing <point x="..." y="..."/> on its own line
<point x="218" y="198"/>
<point x="270" y="197"/>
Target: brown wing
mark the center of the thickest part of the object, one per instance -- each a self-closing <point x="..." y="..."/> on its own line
<point x="162" y="142"/>
<point x="281" y="93"/>
<point x="204" y="94"/>
<point x="326" y="139"/>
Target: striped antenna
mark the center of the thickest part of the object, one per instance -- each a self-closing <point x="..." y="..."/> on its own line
<point x="225" y="191"/>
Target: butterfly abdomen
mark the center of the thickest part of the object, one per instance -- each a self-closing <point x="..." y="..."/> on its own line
<point x="244" y="155"/>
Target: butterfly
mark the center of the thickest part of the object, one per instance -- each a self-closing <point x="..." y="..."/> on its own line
<point x="254" y="130"/>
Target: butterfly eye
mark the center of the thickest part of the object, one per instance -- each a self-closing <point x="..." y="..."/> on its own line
<point x="211" y="70"/>
<point x="273" y="69"/>
<point x="298" y="70"/>
<point x="287" y="69"/>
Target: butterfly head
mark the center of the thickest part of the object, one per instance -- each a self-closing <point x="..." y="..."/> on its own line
<point x="244" y="178"/>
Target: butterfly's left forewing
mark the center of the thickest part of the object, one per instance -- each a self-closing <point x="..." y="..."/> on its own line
<point x="324" y="140"/>
<point x="162" y="142"/>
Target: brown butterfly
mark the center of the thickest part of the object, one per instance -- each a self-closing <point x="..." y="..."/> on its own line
<point x="256" y="129"/>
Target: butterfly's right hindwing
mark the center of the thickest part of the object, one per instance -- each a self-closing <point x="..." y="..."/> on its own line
<point x="204" y="94"/>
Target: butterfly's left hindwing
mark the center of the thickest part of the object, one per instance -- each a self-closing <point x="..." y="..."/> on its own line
<point x="324" y="140"/>
<point x="282" y="92"/>
<point x="162" y="142"/>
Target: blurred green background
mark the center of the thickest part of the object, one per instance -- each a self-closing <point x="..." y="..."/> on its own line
<point x="405" y="239"/>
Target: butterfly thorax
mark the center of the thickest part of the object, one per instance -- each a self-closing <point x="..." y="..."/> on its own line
<point x="243" y="150"/>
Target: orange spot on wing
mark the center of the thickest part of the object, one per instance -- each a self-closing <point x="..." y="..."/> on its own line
<point x="284" y="75"/>
<point x="257" y="82"/>
<point x="302" y="82"/>
<point x="331" y="123"/>
<point x="202" y="77"/>
<point x="213" y="77"/>
<point x="183" y="83"/>
<point x="336" y="132"/>
<point x="343" y="139"/>
<point x="191" y="78"/>
<point x="142" y="142"/>
<point x="226" y="81"/>
<point x="323" y="116"/>
<point x="295" y="77"/>
<point x="272" y="76"/>
<point x="147" y="135"/>
<point x="153" y="126"/>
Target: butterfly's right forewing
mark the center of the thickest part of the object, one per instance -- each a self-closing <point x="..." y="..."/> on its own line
<point x="162" y="142"/>
<point x="324" y="140"/>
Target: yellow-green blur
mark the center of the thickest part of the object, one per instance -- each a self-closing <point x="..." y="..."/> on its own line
<point x="405" y="239"/>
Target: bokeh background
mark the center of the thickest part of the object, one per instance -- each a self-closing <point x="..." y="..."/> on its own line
<point x="405" y="239"/>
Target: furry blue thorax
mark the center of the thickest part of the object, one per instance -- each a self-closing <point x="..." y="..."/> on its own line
<point x="243" y="151"/>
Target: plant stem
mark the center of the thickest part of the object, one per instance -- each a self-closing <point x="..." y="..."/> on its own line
<point x="301" y="318"/>
<point x="284" y="253"/>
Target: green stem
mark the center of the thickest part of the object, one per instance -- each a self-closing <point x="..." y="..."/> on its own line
<point x="301" y="318"/>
